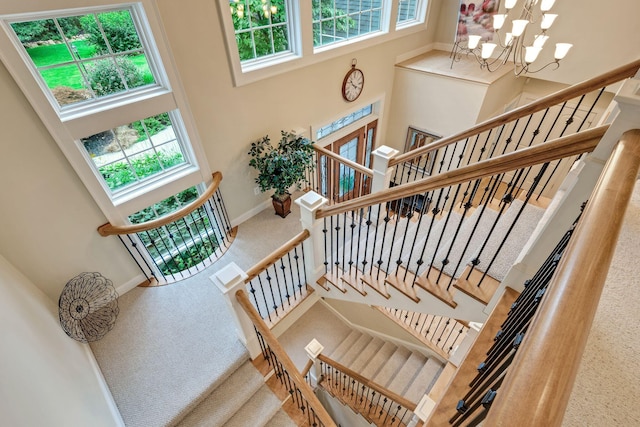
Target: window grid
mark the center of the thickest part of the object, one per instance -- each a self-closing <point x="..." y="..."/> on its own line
<point x="343" y="122"/>
<point x="340" y="20"/>
<point x="87" y="91"/>
<point x="407" y="11"/>
<point x="247" y="14"/>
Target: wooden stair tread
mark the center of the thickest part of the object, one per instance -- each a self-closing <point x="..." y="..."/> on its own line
<point x="353" y="279"/>
<point x="482" y="293"/>
<point x="378" y="285"/>
<point x="428" y="283"/>
<point x="403" y="286"/>
<point x="335" y="278"/>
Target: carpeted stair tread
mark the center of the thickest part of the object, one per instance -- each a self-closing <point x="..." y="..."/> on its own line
<point x="280" y="419"/>
<point x="385" y="352"/>
<point x="424" y="380"/>
<point x="345" y="345"/>
<point x="362" y="361"/>
<point x="404" y="377"/>
<point x="257" y="411"/>
<point x="386" y="374"/>
<point x="479" y="223"/>
<point x="518" y="237"/>
<point x="226" y="399"/>
<point x="357" y="347"/>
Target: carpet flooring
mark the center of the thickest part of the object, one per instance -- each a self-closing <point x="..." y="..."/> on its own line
<point x="608" y="383"/>
<point x="173" y="345"/>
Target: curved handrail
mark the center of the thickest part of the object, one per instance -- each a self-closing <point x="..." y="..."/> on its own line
<point x="537" y="387"/>
<point x="367" y="382"/>
<point x="276" y="255"/>
<point x="108" y="229"/>
<point x="571" y="92"/>
<point x="353" y="165"/>
<point x="570" y="145"/>
<point x="283" y="357"/>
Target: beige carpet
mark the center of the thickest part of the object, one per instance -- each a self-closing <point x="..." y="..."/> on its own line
<point x="172" y="345"/>
<point x="607" y="388"/>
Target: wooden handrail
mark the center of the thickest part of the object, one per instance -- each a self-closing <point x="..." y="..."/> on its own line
<point x="353" y="165"/>
<point x="284" y="359"/>
<point x="566" y="146"/>
<point x="571" y="92"/>
<point x="306" y="368"/>
<point x="365" y="381"/>
<point x="108" y="229"/>
<point x="276" y="255"/>
<point x="537" y="387"/>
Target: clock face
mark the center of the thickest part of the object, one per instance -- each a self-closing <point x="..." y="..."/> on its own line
<point x="352" y="84"/>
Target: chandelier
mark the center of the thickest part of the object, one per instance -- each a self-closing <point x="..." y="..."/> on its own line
<point x="513" y="46"/>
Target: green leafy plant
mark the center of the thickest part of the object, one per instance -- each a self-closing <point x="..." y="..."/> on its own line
<point x="120" y="174"/>
<point x="283" y="166"/>
<point x="104" y="75"/>
<point x="118" y="28"/>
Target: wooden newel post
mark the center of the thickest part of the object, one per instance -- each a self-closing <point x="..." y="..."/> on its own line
<point x="313" y="252"/>
<point x="314" y="349"/>
<point x="229" y="279"/>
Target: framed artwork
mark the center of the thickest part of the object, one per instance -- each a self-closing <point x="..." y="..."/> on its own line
<point x="476" y="18"/>
<point x="417" y="138"/>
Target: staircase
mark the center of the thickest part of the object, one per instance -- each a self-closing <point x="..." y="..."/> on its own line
<point x="407" y="373"/>
<point x="237" y="402"/>
<point x="429" y="262"/>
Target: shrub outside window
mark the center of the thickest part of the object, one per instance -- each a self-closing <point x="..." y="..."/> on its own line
<point x="88" y="56"/>
<point x="261" y="28"/>
<point x="339" y="20"/>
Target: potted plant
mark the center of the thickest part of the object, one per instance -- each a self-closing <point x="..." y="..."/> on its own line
<point x="280" y="168"/>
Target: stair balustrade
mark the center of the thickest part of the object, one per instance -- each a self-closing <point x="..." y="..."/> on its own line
<point x="338" y="179"/>
<point x="181" y="243"/>
<point x="303" y="401"/>
<point x="279" y="282"/>
<point x="374" y="402"/>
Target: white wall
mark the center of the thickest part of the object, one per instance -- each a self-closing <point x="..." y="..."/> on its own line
<point x="47" y="379"/>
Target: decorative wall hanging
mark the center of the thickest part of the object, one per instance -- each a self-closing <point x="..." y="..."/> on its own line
<point x="88" y="307"/>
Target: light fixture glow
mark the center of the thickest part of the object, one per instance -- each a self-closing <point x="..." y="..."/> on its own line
<point x="561" y="50"/>
<point x="498" y="21"/>
<point x="474" y="41"/>
<point x="508" y="39"/>
<point x="546" y="5"/>
<point x="547" y="20"/>
<point x="487" y="50"/>
<point x="518" y="27"/>
<point x="531" y="53"/>
<point x="540" y="40"/>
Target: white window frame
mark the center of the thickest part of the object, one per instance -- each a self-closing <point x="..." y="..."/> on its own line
<point x="421" y="16"/>
<point x="67" y="125"/>
<point x="301" y="29"/>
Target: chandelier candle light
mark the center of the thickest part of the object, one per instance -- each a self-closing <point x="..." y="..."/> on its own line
<point x="512" y="46"/>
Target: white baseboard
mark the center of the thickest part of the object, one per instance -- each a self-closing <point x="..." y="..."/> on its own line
<point x="127" y="286"/>
<point x="397" y="341"/>
<point x="415" y="52"/>
<point x="108" y="397"/>
<point x="250" y="213"/>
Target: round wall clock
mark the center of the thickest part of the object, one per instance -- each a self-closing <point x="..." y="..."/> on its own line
<point x="353" y="83"/>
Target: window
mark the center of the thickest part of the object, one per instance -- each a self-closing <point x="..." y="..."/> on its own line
<point x="407" y="11"/>
<point x="96" y="77"/>
<point x="87" y="56"/>
<point x="343" y="122"/>
<point x="339" y="20"/>
<point x="261" y="27"/>
<point x="132" y="153"/>
<point x="265" y="38"/>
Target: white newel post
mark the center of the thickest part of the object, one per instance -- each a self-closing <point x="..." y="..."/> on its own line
<point x="313" y="349"/>
<point x="229" y="280"/>
<point x="314" y="252"/>
<point x="381" y="170"/>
